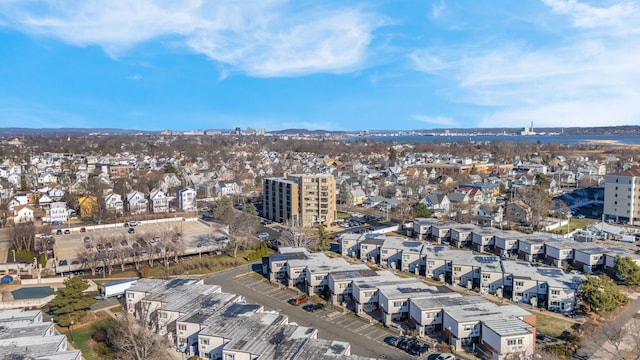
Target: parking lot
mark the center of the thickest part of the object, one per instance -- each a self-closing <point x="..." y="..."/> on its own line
<point x="366" y="339"/>
<point x="194" y="235"/>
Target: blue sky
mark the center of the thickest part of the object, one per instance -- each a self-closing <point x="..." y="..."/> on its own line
<point x="333" y="65"/>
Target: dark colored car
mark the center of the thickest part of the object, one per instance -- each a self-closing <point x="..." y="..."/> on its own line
<point x="62" y="263"/>
<point x="418" y="349"/>
<point x="58" y="232"/>
<point x="124" y="242"/>
<point x="131" y="230"/>
<point x="312" y="307"/>
<point x="393" y="340"/>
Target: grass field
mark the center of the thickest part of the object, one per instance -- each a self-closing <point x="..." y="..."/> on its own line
<point x="551" y="325"/>
<point x="82" y="337"/>
<point x="116" y="309"/>
<point x="342" y="215"/>
<point x="574" y="224"/>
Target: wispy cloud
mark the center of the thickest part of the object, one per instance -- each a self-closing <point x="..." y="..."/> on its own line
<point x="587" y="77"/>
<point x="259" y="37"/>
<point x="135" y="77"/>
<point x="436" y="120"/>
<point x="437" y="9"/>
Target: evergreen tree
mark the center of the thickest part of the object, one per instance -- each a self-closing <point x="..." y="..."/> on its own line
<point x="70" y="303"/>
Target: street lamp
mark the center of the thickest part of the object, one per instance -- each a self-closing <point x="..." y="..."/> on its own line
<point x="71" y="330"/>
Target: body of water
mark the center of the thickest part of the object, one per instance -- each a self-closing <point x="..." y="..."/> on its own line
<point x="544" y="139"/>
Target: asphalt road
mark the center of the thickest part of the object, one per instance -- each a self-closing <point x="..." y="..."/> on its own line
<point x="365" y="339"/>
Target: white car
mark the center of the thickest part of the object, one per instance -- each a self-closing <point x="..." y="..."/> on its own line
<point x="446" y="356"/>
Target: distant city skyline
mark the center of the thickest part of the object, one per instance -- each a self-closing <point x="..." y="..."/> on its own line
<point x="331" y="65"/>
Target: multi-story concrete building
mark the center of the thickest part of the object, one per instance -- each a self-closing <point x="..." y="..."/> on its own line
<point x="301" y="200"/>
<point x="622" y="196"/>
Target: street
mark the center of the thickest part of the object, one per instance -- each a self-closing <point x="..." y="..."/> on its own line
<point x="365" y="339"/>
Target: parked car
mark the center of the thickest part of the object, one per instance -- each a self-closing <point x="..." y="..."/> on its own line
<point x="312" y="307"/>
<point x="418" y="349"/>
<point x="58" y="232"/>
<point x="299" y="300"/>
<point x="62" y="263"/>
<point x="67" y="231"/>
<point x="131" y="230"/>
<point x="83" y="229"/>
<point x="124" y="242"/>
<point x="394" y="340"/>
<point x="446" y="356"/>
<point x="86" y="239"/>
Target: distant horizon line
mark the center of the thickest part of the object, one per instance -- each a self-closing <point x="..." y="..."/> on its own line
<point x="433" y="130"/>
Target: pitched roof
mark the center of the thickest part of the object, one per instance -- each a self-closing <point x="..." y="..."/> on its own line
<point x="634" y="171"/>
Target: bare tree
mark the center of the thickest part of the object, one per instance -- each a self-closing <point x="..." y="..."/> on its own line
<point x="23" y="236"/>
<point x="133" y="339"/>
<point x="618" y="339"/>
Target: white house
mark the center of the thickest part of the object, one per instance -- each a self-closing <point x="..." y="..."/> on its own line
<point x="186" y="199"/>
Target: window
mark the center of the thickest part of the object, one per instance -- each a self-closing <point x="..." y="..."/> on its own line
<point x="555" y="292"/>
<point x="486" y="276"/>
<point x="182" y="327"/>
<point x="457" y="268"/>
<point x="543" y="285"/>
<point x="229" y="357"/>
<point x="204" y="341"/>
<point x="519" y="283"/>
<point x="514" y="342"/>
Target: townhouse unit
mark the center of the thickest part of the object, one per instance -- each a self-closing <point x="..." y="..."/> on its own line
<point x="422" y="227"/>
<point x="506" y="243"/>
<point x="394" y="298"/>
<point x="589" y="259"/>
<point x="24" y="335"/>
<point x="466" y="323"/>
<point x="441" y="231"/>
<point x="549" y="288"/>
<point x="396" y="253"/>
<point x="559" y="253"/>
<point x="461" y="235"/>
<point x="531" y="247"/>
<point x="483" y="239"/>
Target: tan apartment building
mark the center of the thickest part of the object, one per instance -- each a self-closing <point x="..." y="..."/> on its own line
<point x="302" y="199"/>
<point x="622" y="196"/>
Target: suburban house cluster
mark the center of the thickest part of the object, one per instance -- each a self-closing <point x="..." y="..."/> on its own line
<point x="24" y="335"/>
<point x="463" y="320"/>
<point x="202" y="320"/>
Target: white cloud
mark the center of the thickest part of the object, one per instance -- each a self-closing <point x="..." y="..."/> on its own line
<point x="622" y="17"/>
<point x="259" y="37"/>
<point x="588" y="77"/>
<point x="437" y="9"/>
<point x="135" y="77"/>
<point x="435" y="120"/>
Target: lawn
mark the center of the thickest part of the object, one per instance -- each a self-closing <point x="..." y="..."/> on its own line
<point x="342" y="214"/>
<point x="574" y="224"/>
<point x="116" y="309"/>
<point x="82" y="337"/>
<point x="551" y="325"/>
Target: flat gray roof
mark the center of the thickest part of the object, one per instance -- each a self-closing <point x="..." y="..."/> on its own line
<point x="507" y="326"/>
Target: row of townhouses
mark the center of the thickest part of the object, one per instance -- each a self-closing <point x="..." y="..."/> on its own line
<point x="588" y="257"/>
<point x="24" y="335"/>
<point x="500" y="331"/>
<point x="204" y="321"/>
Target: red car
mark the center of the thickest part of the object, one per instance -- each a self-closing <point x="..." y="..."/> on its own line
<point x="67" y="231"/>
<point x="82" y="230"/>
